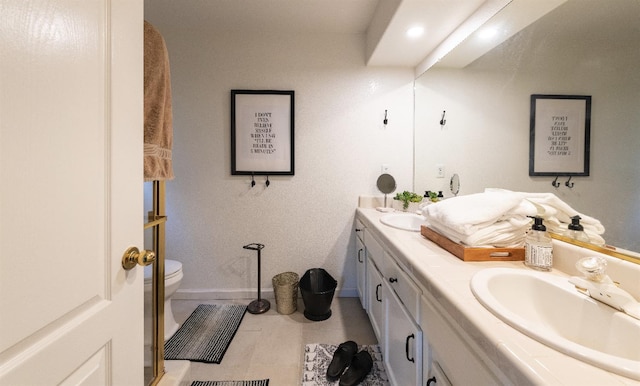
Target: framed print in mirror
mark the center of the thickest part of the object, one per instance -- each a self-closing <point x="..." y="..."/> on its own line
<point x="262" y="127"/>
<point x="559" y="135"/>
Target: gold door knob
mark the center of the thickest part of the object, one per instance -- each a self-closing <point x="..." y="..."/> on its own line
<point x="133" y="256"/>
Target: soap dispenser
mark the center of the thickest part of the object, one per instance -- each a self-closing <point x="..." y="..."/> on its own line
<point x="576" y="230"/>
<point x="538" y="248"/>
<point x="427" y="197"/>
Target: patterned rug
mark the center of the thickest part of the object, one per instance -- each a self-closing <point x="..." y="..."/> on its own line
<point x="317" y="357"/>
<point x="262" y="382"/>
<point x="206" y="334"/>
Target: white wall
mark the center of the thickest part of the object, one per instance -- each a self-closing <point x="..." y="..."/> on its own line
<point x="305" y="220"/>
<point x="486" y="138"/>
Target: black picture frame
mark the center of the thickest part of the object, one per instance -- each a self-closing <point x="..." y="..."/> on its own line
<point x="559" y="138"/>
<point x="262" y="132"/>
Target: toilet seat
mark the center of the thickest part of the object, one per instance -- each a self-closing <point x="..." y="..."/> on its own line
<point x="172" y="268"/>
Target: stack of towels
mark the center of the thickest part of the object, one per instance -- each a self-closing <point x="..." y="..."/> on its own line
<point x="499" y="218"/>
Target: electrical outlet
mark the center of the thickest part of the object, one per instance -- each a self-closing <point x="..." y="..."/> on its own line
<point x="439" y="170"/>
<point x="384" y="168"/>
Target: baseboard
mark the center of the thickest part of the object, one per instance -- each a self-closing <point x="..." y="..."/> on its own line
<point x="230" y="294"/>
<point x="347" y="293"/>
<point x="220" y="294"/>
<point x="177" y="373"/>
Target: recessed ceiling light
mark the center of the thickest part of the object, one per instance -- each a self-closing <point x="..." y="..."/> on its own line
<point x="488" y="33"/>
<point x="415" y="32"/>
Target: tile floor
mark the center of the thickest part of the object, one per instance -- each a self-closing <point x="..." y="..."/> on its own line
<point x="271" y="345"/>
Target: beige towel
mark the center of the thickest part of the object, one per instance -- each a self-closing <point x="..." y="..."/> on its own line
<point x="158" y="119"/>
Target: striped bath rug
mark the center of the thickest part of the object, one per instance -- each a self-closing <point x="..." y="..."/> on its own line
<point x="261" y="382"/>
<point x="206" y="334"/>
<point x="317" y="357"/>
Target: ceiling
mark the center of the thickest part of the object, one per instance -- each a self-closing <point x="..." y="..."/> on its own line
<point x="267" y="16"/>
<point x="439" y="18"/>
<point x="383" y="21"/>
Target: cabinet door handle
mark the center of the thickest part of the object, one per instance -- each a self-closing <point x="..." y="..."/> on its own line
<point x="360" y="257"/>
<point x="431" y="380"/>
<point x="393" y="280"/>
<point x="378" y="295"/>
<point x="406" y="347"/>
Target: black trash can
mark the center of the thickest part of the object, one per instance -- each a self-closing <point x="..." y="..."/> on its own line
<point x="317" y="288"/>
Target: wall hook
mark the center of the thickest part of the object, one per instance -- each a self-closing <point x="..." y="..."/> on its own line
<point x="569" y="184"/>
<point x="555" y="182"/>
<point x="385" y="120"/>
<point x="253" y="182"/>
<point x="267" y="183"/>
<point x="442" y="120"/>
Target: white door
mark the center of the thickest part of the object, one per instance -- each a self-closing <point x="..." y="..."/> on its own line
<point x="70" y="191"/>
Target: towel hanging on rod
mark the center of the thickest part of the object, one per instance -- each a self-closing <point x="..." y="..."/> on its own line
<point x="158" y="117"/>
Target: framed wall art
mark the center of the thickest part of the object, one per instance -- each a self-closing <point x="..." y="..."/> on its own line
<point x="559" y="138"/>
<point x="262" y="128"/>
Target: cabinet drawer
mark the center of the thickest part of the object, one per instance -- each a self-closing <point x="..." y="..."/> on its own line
<point x="407" y="291"/>
<point x="359" y="229"/>
<point x="374" y="250"/>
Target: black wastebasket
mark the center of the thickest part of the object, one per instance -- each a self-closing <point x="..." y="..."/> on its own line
<point x="317" y="288"/>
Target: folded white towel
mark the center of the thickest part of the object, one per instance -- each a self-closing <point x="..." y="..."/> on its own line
<point x="501" y="234"/>
<point x="467" y="214"/>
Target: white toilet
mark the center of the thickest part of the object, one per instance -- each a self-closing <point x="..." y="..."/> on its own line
<point x="172" y="279"/>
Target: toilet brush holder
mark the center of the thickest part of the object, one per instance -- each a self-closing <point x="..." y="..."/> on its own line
<point x="259" y="305"/>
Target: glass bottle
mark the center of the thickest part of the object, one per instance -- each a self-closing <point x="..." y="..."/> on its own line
<point x="576" y="230"/>
<point x="538" y="248"/>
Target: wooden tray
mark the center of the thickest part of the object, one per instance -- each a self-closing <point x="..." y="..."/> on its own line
<point x="470" y="253"/>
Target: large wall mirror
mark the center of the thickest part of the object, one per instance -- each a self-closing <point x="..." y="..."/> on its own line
<point x="582" y="47"/>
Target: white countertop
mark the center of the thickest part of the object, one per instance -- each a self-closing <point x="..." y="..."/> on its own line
<point x="521" y="359"/>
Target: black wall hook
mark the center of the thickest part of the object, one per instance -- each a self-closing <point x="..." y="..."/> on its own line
<point x="267" y="183"/>
<point x="385" y="120"/>
<point x="253" y="182"/>
<point x="569" y="184"/>
<point x="555" y="182"/>
<point x="442" y="120"/>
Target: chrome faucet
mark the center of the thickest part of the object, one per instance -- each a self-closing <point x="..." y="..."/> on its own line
<point x="598" y="285"/>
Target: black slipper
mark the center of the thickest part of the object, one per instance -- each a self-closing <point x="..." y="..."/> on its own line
<point x="360" y="366"/>
<point x="341" y="359"/>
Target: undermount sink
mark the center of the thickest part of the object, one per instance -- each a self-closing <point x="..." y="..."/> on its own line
<point x="550" y="310"/>
<point x="405" y="221"/>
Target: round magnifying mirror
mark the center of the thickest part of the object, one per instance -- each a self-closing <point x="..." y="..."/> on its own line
<point x="454" y="184"/>
<point x="386" y="184"/>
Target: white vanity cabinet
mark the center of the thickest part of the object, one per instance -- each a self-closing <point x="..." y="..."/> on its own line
<point x="420" y="342"/>
<point x="361" y="263"/>
<point x="393" y="308"/>
<point x="457" y="341"/>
